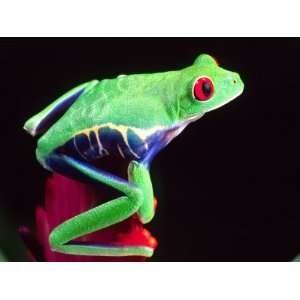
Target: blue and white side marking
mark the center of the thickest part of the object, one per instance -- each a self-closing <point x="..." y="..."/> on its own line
<point x="110" y="139"/>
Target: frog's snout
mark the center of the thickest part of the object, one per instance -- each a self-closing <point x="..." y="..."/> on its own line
<point x="237" y="82"/>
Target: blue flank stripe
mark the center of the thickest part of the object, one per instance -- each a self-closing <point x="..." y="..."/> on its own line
<point x="83" y="147"/>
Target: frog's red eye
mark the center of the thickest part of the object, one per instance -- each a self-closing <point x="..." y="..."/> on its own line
<point x="203" y="89"/>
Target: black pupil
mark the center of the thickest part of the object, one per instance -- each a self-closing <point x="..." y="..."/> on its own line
<point x="206" y="89"/>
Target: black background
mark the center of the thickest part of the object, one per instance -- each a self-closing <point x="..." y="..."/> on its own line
<point x="228" y="186"/>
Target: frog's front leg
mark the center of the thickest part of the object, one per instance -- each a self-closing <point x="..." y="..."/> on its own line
<point x="137" y="191"/>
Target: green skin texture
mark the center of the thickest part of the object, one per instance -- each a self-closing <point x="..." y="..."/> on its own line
<point x="143" y="101"/>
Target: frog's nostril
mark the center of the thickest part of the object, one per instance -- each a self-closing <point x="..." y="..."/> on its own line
<point x="234" y="81"/>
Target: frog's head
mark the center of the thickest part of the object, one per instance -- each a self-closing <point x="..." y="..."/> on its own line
<point x="206" y="86"/>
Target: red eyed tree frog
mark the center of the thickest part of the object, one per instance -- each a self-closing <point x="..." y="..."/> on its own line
<point x="130" y="116"/>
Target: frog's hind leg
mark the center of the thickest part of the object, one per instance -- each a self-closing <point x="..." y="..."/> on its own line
<point x="102" y="216"/>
